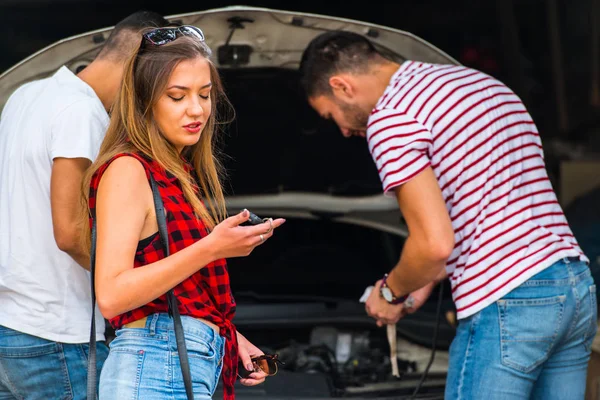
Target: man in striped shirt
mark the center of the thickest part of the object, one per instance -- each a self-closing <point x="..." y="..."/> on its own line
<point x="463" y="157"/>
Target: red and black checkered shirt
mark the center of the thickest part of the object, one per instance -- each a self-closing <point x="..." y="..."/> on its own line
<point x="207" y="293"/>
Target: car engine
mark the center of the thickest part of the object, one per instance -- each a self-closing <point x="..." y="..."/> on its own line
<point x="336" y="362"/>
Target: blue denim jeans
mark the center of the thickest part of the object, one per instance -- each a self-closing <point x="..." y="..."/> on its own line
<point x="34" y="368"/>
<point x="535" y="343"/>
<point x="143" y="363"/>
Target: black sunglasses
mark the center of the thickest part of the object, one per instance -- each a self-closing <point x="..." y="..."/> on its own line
<point x="160" y="36"/>
<point x="266" y="363"/>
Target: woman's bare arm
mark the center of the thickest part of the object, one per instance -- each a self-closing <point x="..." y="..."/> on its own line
<point x="124" y="203"/>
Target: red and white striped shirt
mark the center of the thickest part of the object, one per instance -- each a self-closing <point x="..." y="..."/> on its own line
<point x="486" y="153"/>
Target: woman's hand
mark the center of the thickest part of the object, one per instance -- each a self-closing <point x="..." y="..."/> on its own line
<point x="246" y="351"/>
<point x="232" y="240"/>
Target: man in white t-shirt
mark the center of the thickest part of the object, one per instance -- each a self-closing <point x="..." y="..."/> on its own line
<point x="463" y="158"/>
<point x="50" y="132"/>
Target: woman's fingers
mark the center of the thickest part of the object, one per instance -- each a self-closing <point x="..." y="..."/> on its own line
<point x="261" y="232"/>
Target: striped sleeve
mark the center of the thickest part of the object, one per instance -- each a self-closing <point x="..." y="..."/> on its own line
<point x="399" y="145"/>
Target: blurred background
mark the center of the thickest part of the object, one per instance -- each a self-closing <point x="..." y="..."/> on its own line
<point x="547" y="51"/>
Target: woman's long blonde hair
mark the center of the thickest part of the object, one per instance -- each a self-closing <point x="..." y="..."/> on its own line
<point x="132" y="128"/>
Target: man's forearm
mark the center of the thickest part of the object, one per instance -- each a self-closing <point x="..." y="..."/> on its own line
<point x="80" y="257"/>
<point x="65" y="192"/>
<point x="68" y="241"/>
<point x="416" y="268"/>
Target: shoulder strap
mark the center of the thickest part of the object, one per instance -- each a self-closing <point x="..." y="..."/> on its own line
<point x="91" y="372"/>
<point x="171" y="300"/>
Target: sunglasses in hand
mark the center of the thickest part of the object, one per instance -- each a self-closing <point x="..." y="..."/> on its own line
<point x="267" y="363"/>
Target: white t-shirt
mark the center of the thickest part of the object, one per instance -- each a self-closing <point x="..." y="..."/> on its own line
<point x="43" y="291"/>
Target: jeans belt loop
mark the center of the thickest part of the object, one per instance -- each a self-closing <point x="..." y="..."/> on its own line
<point x="567" y="262"/>
<point x="153" y="323"/>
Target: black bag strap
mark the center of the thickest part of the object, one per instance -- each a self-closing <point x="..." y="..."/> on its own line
<point x="91" y="372"/>
<point x="171" y="301"/>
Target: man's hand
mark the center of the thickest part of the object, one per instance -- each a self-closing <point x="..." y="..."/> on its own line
<point x="386" y="313"/>
<point x="419" y="297"/>
<point x="378" y="308"/>
<point x="246" y="351"/>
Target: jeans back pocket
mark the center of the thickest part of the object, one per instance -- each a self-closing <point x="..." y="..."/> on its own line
<point x="528" y="330"/>
<point x="35" y="366"/>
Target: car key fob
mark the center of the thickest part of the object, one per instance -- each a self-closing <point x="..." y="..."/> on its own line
<point x="253" y="219"/>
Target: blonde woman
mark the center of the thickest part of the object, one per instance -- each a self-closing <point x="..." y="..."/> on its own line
<point x="163" y="126"/>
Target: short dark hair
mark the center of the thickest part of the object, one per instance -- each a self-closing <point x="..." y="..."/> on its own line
<point x="118" y="46"/>
<point x="331" y="52"/>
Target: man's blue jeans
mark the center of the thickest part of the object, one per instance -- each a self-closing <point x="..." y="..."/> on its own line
<point x="33" y="368"/>
<point x="535" y="343"/>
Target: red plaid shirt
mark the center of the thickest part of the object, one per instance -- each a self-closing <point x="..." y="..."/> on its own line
<point x="207" y="293"/>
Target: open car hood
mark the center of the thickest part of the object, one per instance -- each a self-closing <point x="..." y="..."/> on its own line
<point x="277" y="39"/>
<point x="280" y="159"/>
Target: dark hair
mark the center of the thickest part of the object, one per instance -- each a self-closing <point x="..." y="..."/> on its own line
<point x="124" y="37"/>
<point x="332" y="52"/>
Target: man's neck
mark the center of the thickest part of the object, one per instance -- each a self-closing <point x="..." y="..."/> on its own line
<point x="378" y="79"/>
<point x="104" y="77"/>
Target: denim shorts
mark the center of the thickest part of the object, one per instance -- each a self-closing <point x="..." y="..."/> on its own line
<point x="143" y="363"/>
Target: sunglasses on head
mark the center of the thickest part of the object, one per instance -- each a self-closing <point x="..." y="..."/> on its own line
<point x="160" y="36"/>
<point x="266" y="363"/>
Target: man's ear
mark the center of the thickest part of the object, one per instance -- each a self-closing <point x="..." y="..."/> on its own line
<point x="341" y="86"/>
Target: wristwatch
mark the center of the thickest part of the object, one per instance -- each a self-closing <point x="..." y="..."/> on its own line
<point x="387" y="293"/>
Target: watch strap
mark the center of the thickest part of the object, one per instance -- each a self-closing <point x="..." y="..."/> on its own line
<point x="395" y="300"/>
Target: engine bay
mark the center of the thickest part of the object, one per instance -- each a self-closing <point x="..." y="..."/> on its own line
<point x="326" y="361"/>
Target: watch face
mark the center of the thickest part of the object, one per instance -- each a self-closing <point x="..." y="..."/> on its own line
<point x="387" y="294"/>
